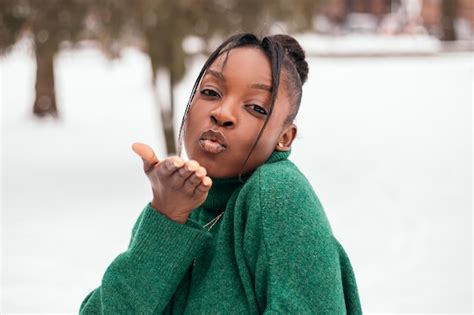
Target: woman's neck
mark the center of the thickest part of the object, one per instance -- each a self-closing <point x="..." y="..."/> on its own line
<point x="222" y="188"/>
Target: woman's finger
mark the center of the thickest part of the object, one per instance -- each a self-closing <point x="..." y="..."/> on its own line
<point x="147" y="154"/>
<point x="195" y="179"/>
<point x="170" y="165"/>
<point x="189" y="167"/>
<point x="204" y="186"/>
<point x="177" y="179"/>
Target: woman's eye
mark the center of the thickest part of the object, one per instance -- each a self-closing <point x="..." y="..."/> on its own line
<point x="258" y="109"/>
<point x="209" y="92"/>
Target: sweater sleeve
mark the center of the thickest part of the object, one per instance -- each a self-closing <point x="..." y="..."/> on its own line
<point x="297" y="268"/>
<point x="143" y="279"/>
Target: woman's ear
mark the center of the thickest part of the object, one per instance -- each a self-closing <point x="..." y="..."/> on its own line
<point x="286" y="138"/>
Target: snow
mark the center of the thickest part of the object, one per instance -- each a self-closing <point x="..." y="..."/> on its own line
<point x="386" y="144"/>
<point x="369" y="44"/>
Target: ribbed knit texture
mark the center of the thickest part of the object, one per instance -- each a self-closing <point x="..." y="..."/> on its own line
<point x="273" y="251"/>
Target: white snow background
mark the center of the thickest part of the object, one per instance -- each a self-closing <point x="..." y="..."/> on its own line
<point x="385" y="142"/>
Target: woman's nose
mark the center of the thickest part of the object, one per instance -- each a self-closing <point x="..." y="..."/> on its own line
<point x="223" y="116"/>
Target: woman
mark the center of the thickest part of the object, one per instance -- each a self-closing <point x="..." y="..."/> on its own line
<point x="237" y="228"/>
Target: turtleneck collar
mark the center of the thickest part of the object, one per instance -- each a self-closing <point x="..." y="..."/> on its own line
<point x="222" y="188"/>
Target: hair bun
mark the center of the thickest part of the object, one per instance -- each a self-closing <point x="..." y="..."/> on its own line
<point x="296" y="53"/>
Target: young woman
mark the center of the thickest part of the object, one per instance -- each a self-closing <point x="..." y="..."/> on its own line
<point x="237" y="228"/>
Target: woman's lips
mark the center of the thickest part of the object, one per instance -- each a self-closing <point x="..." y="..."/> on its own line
<point x="211" y="146"/>
<point x="213" y="141"/>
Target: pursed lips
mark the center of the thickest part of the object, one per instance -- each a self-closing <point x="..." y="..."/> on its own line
<point x="213" y="141"/>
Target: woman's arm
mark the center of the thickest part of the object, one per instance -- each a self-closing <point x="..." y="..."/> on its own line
<point x="298" y="266"/>
<point x="143" y="279"/>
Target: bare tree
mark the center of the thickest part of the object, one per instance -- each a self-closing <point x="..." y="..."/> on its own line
<point x="47" y="23"/>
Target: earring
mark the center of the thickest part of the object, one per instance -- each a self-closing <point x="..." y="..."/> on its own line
<point x="280" y="144"/>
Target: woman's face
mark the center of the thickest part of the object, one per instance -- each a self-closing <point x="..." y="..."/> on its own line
<point x="233" y="101"/>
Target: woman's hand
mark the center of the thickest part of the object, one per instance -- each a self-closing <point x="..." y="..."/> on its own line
<point x="178" y="187"/>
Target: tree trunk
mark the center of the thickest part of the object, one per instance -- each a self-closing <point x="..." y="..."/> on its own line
<point x="45" y="100"/>
<point x="448" y="11"/>
<point x="167" y="114"/>
<point x="170" y="132"/>
<point x="168" y="129"/>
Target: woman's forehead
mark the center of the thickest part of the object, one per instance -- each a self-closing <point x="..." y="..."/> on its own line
<point x="248" y="61"/>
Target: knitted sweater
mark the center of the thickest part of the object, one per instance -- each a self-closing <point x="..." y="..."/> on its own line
<point x="273" y="251"/>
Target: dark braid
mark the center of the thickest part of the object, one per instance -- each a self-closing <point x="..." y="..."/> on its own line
<point x="296" y="71"/>
<point x="283" y="52"/>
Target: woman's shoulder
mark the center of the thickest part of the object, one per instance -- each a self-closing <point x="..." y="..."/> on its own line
<point x="280" y="174"/>
<point x="281" y="179"/>
<point x="282" y="193"/>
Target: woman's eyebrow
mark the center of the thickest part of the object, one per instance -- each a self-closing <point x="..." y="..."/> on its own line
<point x="261" y="87"/>
<point x="220" y="76"/>
<point x="216" y="74"/>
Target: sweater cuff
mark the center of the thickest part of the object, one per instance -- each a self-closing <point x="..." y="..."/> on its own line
<point x="159" y="239"/>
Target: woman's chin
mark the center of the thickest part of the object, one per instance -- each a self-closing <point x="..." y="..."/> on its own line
<point x="217" y="169"/>
<point x="213" y="163"/>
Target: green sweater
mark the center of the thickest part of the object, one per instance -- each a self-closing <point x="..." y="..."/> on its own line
<point x="271" y="252"/>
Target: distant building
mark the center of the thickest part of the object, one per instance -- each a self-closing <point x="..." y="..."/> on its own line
<point x="431" y="14"/>
<point x="393" y="17"/>
<point x="375" y="7"/>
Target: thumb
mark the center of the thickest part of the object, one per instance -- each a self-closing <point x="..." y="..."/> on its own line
<point x="146" y="153"/>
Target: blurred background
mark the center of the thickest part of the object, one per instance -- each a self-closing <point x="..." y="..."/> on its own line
<point x="385" y="135"/>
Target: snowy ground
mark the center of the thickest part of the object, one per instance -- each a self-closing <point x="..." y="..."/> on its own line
<point x="385" y="142"/>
